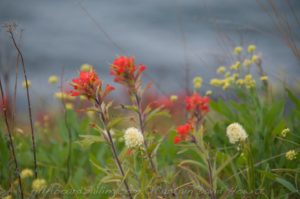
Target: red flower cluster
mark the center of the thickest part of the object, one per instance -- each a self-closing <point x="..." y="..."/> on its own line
<point x="89" y="84"/>
<point x="125" y="70"/>
<point x="197" y="103"/>
<point x="182" y="133"/>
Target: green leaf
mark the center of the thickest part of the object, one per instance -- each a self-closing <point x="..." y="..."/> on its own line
<point x="286" y="184"/>
<point x="293" y="98"/>
<point x="88" y="140"/>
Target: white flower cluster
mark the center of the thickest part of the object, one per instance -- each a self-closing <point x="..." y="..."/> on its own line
<point x="133" y="138"/>
<point x="236" y="133"/>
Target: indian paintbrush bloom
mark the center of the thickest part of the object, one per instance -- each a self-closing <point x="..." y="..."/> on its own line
<point x="89" y="84"/>
<point x="197" y="103"/>
<point x="126" y="72"/>
<point x="182" y="133"/>
<point x="236" y="133"/>
<point x="133" y="138"/>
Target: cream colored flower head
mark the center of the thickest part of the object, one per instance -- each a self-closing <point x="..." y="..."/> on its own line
<point x="39" y="184"/>
<point x="236" y="133"/>
<point x="133" y="138"/>
<point x="284" y="132"/>
<point x="53" y="79"/>
<point x="291" y="155"/>
<point x="26" y="173"/>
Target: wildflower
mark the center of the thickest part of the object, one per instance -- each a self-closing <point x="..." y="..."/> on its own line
<point x="173" y="98"/>
<point x="209" y="92"/>
<point x="264" y="78"/>
<point x="26" y="173"/>
<point x="53" y="79"/>
<point x="89" y="85"/>
<point x="182" y="133"/>
<point x="284" y="132"/>
<point x="291" y="155"/>
<point x="226" y="85"/>
<point x="236" y="133"/>
<point x="251" y="48"/>
<point x="216" y="82"/>
<point x="237" y="50"/>
<point x="255" y="59"/>
<point x="26" y="84"/>
<point x="249" y="81"/>
<point x="63" y="96"/>
<point x="197" y="103"/>
<point x="133" y="138"/>
<point x="221" y="70"/>
<point x="247" y="63"/>
<point x="86" y="67"/>
<point x="82" y="98"/>
<point x="197" y="82"/>
<point x="125" y="71"/>
<point x="240" y="82"/>
<point x="39" y="184"/>
<point x="236" y="66"/>
<point x="227" y="74"/>
<point x="69" y="106"/>
<point x="235" y="76"/>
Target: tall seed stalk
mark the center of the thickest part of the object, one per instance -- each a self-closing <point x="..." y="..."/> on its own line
<point x="10" y="29"/>
<point x="11" y="143"/>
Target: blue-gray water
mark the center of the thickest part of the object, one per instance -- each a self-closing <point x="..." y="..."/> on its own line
<point x="62" y="33"/>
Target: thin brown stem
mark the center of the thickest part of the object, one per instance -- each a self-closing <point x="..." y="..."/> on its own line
<point x="142" y="126"/>
<point x="11" y="143"/>
<point x="114" y="150"/>
<point x="28" y="102"/>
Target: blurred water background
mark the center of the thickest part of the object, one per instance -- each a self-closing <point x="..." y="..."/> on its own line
<point x="165" y="35"/>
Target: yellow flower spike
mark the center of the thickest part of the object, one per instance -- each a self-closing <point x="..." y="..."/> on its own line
<point x="26" y="173"/>
<point x="86" y="67"/>
<point x="227" y="74"/>
<point x="221" y="70"/>
<point x="249" y="81"/>
<point x="247" y="63"/>
<point x="69" y="106"/>
<point x="215" y="82"/>
<point x="26" y="84"/>
<point x="209" y="92"/>
<point x="173" y="98"/>
<point x="255" y="59"/>
<point x="53" y="79"/>
<point x="226" y="85"/>
<point x="240" y="82"/>
<point x="39" y="185"/>
<point x="251" y="48"/>
<point x="237" y="50"/>
<point x="291" y="155"/>
<point x="235" y="76"/>
<point x="284" y="132"/>
<point x="197" y="82"/>
<point x="264" y="78"/>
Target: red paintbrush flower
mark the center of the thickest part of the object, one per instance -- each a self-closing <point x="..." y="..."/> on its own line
<point x="89" y="84"/>
<point x="182" y="133"/>
<point x="125" y="71"/>
<point x="197" y="103"/>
